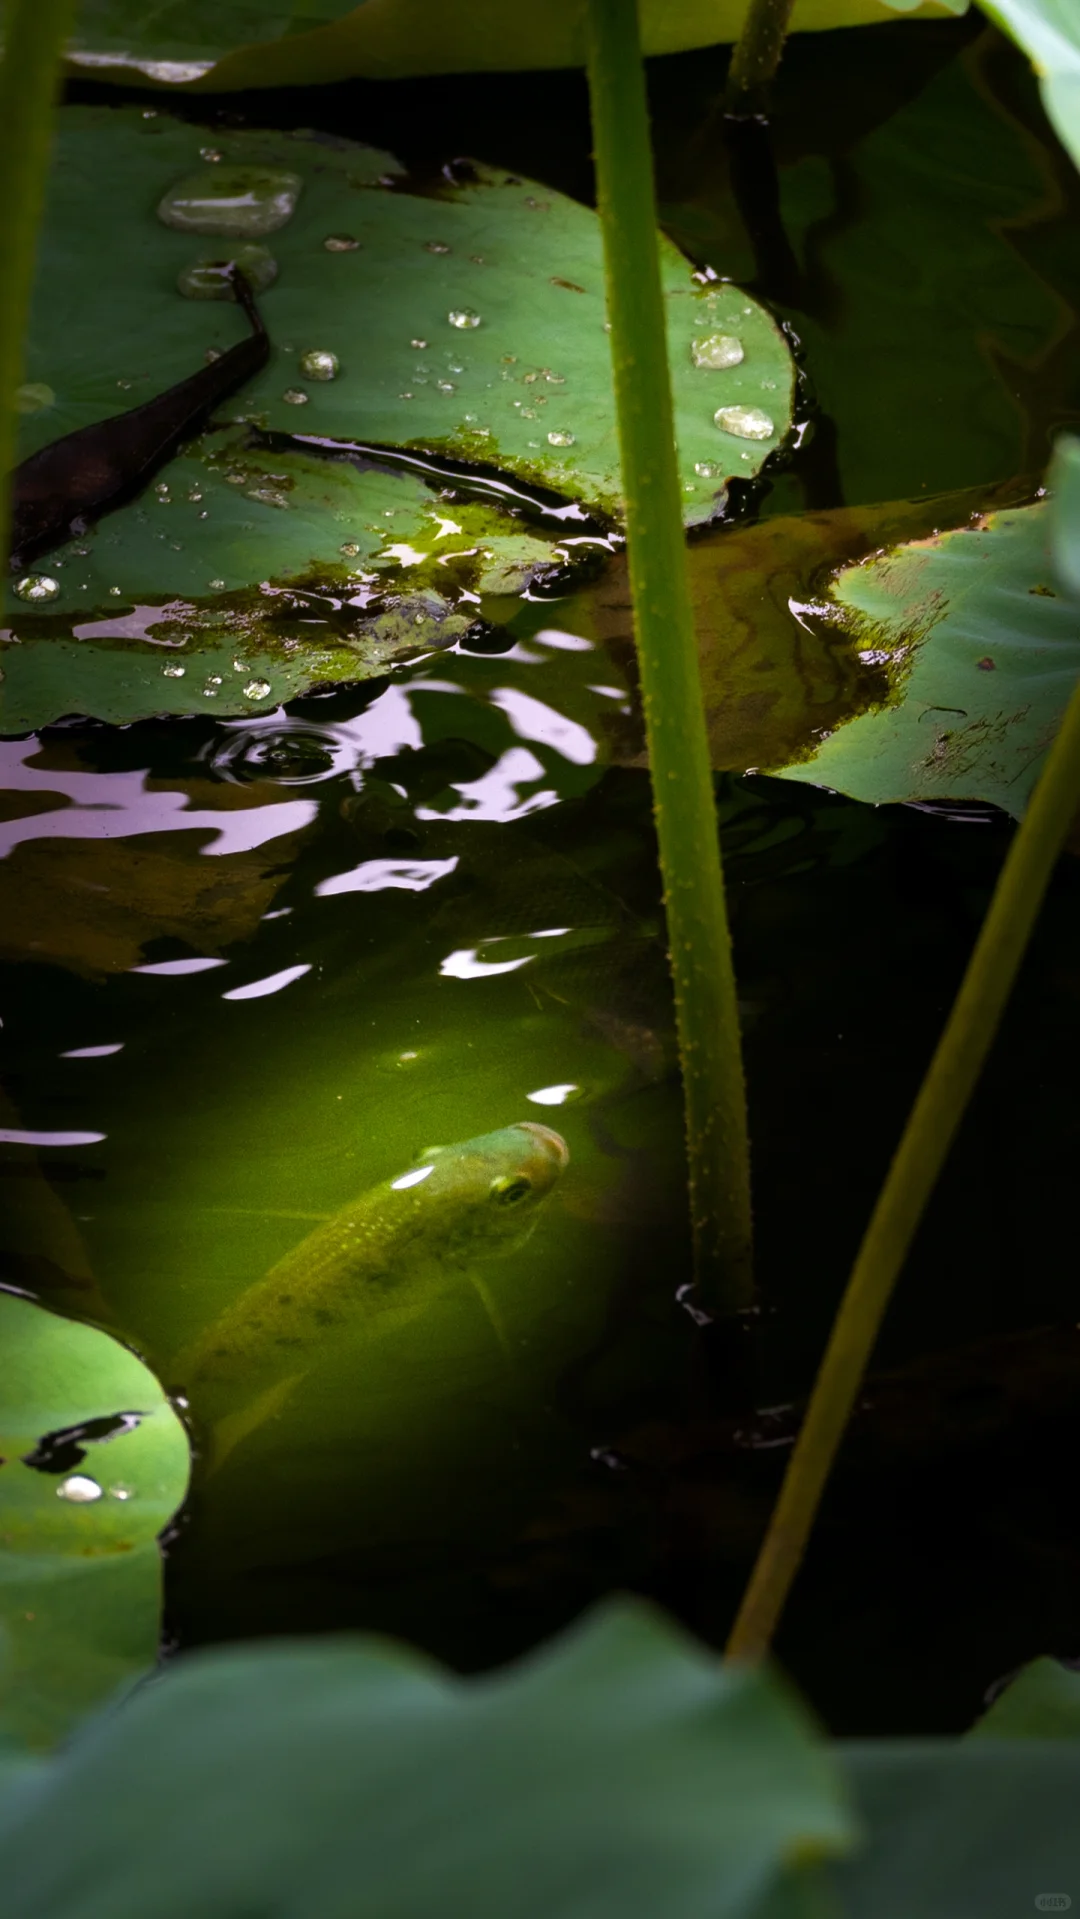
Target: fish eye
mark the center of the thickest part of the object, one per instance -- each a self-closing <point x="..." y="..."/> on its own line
<point x="510" y="1189"/>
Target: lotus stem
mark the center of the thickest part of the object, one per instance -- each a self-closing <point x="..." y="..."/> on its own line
<point x="683" y="794"/>
<point x="923" y="1148"/>
<point x="756" y="54"/>
<point x="35" y="32"/>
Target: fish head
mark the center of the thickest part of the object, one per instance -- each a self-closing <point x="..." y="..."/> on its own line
<point x="486" y="1193"/>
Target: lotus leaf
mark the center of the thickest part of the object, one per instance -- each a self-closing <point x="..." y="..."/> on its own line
<point x="94" y="1465"/>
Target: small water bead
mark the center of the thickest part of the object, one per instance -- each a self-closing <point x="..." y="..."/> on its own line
<point x="560" y="439"/>
<point x="114" y="592"/>
<point x="717" y="350"/>
<point x="173" y="671"/>
<point x="207" y="278"/>
<point x="463" y="317"/>
<point x="340" y="243"/>
<point x="294" y="396"/>
<point x="350" y="549"/>
<point x="244" y="202"/>
<point x="256" y="689"/>
<point x="217" y="585"/>
<point x="36" y="588"/>
<point x="445" y="386"/>
<point x="212" y="154"/>
<point x="420" y="345"/>
<point x="745" y="422"/>
<point x="32" y="397"/>
<point x="708" y="470"/>
<point x="319" y="364"/>
<point x="79" y="1489"/>
<point x="436" y="246"/>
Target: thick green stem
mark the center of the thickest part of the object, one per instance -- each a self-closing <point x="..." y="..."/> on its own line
<point x="757" y="54"/>
<point x="927" y="1137"/>
<point x="35" y="31"/>
<point x="685" y="804"/>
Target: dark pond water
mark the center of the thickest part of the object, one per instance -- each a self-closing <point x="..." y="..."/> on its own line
<point x="250" y="969"/>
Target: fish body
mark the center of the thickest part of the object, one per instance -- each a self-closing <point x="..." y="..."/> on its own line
<point x="377" y="1261"/>
<point x="66" y="485"/>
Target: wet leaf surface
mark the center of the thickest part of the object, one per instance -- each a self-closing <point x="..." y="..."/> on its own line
<point x="94" y="1465"/>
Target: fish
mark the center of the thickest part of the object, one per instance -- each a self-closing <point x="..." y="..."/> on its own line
<point x="373" y="1265"/>
<point x="62" y="488"/>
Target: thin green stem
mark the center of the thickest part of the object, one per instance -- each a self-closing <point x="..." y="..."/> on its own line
<point x="685" y="805"/>
<point x="920" y="1156"/>
<point x="757" y="54"/>
<point x="35" y="31"/>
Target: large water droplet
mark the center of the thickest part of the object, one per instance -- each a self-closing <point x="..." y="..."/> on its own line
<point x="256" y="689"/>
<point x="36" y="588"/>
<point x="242" y="201"/>
<point x="717" y="350"/>
<point x="32" y="397"/>
<point x="295" y="397"/>
<point x="207" y="278"/>
<point x="463" y="317"/>
<point x="319" y="364"/>
<point x="558" y="438"/>
<point x="79" y="1489"/>
<point x="340" y="243"/>
<point x="745" y="422"/>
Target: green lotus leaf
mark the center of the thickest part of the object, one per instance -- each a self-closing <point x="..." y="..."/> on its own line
<point x="1064" y="483"/>
<point x="982" y="653"/>
<point x="465" y="328"/>
<point x="94" y="1465"/>
<point x="621" y="1770"/>
<point x="1049" y="32"/>
<point x="179" y="44"/>
<point x="1042" y="1701"/>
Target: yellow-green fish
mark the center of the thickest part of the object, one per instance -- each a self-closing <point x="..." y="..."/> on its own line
<point x="375" y="1263"/>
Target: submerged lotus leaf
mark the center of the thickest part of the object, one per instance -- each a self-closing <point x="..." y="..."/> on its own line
<point x="94" y="1465"/>
<point x="982" y="652"/>
<point x="177" y="45"/>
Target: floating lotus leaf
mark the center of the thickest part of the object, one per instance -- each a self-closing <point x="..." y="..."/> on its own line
<point x="982" y="653"/>
<point x="466" y="328"/>
<point x="95" y="1464"/>
<point x="178" y="44"/>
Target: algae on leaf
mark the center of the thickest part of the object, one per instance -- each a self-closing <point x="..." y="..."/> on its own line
<point x="93" y="1465"/>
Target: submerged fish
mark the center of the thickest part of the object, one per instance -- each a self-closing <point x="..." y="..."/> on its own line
<point x="375" y="1263"/>
<point x="66" y="485"/>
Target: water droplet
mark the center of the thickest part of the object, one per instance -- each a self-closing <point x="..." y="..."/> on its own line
<point x="463" y="317"/>
<point x="114" y="592"/>
<point x="717" y="350"/>
<point x="477" y="259"/>
<point x="340" y="243"/>
<point x="32" y="397"/>
<point x="406" y="396"/>
<point x="240" y="666"/>
<point x="217" y="584"/>
<point x="508" y="359"/>
<point x="267" y="495"/>
<point x="256" y="689"/>
<point x="242" y="201"/>
<point x="212" y="154"/>
<point x="207" y="278"/>
<point x="418" y="344"/>
<point x="194" y="495"/>
<point x="436" y="246"/>
<point x="350" y="549"/>
<point x="121" y="1492"/>
<point x="212" y="353"/>
<point x="162" y="489"/>
<point x="79" y="1489"/>
<point x="560" y="438"/>
<point x="150" y="113"/>
<point x="36" y="588"/>
<point x="173" y="671"/>
<point x="294" y="396"/>
<point x="319" y="364"/>
<point x="445" y="386"/>
<point x="556" y="379"/>
<point x="708" y="470"/>
<point x="745" y="422"/>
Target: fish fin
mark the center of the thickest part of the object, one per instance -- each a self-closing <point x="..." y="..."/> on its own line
<point x="498" y="1326"/>
<point x="231" y="1431"/>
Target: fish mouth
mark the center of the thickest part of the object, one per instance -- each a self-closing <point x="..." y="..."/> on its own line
<point x="550" y="1142"/>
